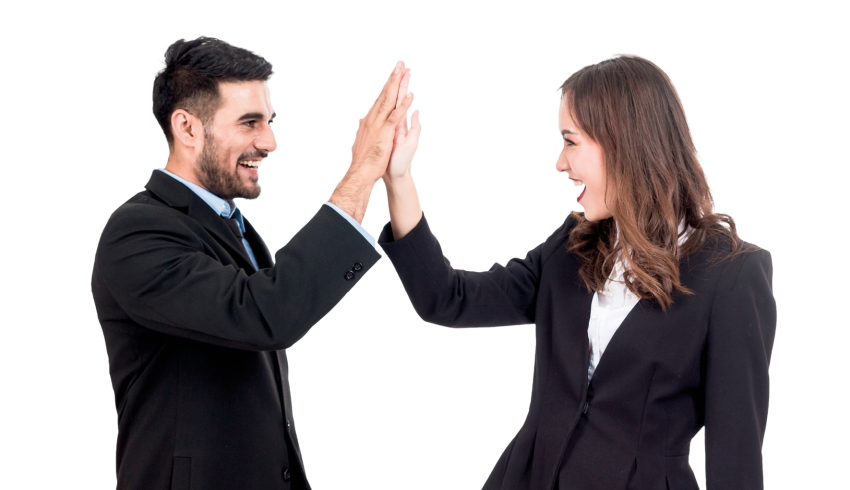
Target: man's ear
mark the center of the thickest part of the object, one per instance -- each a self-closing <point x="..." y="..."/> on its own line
<point x="187" y="129"/>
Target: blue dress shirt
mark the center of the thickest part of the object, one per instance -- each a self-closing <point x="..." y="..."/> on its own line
<point x="228" y="209"/>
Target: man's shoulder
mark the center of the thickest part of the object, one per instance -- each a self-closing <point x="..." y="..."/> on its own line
<point x="145" y="212"/>
<point x="145" y="205"/>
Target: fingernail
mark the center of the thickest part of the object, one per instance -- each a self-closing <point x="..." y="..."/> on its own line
<point x="397" y="67"/>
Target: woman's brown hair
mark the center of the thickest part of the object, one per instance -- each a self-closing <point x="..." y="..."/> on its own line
<point x="630" y="108"/>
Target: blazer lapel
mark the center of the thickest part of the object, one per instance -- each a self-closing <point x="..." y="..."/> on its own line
<point x="631" y="338"/>
<point x="647" y="328"/>
<point x="178" y="196"/>
<point x="261" y="252"/>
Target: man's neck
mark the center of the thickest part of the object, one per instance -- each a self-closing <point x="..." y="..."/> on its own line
<point x="182" y="168"/>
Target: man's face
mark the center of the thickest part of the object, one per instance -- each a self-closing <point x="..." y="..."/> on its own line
<point x="236" y="141"/>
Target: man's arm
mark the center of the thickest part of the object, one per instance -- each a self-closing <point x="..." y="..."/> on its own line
<point x="153" y="264"/>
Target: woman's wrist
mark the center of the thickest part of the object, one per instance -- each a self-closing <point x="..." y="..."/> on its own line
<point x="399" y="181"/>
<point x="403" y="200"/>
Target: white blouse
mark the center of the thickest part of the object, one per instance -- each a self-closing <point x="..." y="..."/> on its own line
<point x="609" y="308"/>
<point x="607" y="312"/>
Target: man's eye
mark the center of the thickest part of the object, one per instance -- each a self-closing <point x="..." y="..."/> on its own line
<point x="271" y="121"/>
<point x="250" y="123"/>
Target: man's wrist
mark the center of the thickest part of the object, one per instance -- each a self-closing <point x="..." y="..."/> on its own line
<point x="352" y="195"/>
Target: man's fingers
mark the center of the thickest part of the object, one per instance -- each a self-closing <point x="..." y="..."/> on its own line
<point x="389" y="95"/>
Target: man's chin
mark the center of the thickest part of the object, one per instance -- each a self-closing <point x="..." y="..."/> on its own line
<point x="251" y="192"/>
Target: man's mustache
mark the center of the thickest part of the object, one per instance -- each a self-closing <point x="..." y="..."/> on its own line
<point x="253" y="154"/>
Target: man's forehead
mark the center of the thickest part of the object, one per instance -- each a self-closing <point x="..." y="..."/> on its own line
<point x="244" y="97"/>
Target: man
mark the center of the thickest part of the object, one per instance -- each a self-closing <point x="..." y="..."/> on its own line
<point x="195" y="313"/>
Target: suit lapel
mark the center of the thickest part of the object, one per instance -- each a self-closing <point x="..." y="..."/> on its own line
<point x="215" y="225"/>
<point x="261" y="252"/>
<point x="647" y="328"/>
<point x="632" y="337"/>
<point x="178" y="196"/>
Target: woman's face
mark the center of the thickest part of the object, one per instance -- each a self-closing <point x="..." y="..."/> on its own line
<point x="583" y="161"/>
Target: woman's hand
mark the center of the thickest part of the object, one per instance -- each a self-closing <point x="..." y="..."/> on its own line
<point x="405" y="140"/>
<point x="405" y="211"/>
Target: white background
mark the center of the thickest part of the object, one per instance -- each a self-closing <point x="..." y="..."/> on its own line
<point x="382" y="399"/>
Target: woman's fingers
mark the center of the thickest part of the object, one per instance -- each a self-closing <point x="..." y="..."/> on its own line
<point x="404" y="148"/>
<point x="402" y="87"/>
<point x="400" y="112"/>
<point x="415" y="129"/>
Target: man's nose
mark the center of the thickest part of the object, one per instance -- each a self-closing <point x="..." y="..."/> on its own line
<point x="266" y="141"/>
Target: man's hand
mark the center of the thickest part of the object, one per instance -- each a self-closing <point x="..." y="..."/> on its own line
<point x="373" y="145"/>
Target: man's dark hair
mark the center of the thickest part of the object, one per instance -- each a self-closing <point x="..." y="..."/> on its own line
<point x="193" y="70"/>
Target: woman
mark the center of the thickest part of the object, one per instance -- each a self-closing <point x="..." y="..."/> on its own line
<point x="653" y="319"/>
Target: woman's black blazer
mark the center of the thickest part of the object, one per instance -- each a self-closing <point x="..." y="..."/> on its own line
<point x="664" y="375"/>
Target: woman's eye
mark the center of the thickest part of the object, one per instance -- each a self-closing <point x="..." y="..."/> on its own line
<point x="569" y="142"/>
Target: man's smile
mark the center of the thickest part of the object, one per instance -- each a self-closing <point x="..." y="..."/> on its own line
<point x="251" y="164"/>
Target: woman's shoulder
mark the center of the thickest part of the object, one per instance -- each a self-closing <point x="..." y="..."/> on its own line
<point x="557" y="240"/>
<point x="732" y="260"/>
<point x="562" y="233"/>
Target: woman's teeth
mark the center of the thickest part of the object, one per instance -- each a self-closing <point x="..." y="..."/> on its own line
<point x="577" y="183"/>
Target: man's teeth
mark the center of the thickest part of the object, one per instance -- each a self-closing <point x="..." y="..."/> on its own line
<point x="251" y="164"/>
<point x="577" y="183"/>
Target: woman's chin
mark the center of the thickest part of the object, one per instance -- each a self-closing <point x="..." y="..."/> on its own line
<point x="595" y="215"/>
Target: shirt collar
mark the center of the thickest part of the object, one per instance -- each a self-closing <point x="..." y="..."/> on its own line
<point x="223" y="208"/>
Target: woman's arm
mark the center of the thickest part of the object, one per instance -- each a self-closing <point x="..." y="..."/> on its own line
<point x="504" y="295"/>
<point x="740" y="340"/>
<point x="439" y="293"/>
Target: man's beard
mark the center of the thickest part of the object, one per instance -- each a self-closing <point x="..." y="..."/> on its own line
<point x="214" y="176"/>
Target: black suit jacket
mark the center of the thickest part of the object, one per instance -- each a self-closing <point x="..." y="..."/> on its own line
<point x="196" y="337"/>
<point x="663" y="375"/>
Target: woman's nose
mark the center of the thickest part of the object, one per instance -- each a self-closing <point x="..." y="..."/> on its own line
<point x="562" y="165"/>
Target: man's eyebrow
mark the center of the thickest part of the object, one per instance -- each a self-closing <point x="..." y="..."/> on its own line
<point x="255" y="115"/>
<point x="565" y="132"/>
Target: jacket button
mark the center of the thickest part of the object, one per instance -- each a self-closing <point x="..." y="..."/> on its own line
<point x="358" y="267"/>
<point x="348" y="275"/>
<point x="288" y="426"/>
<point x="286" y="475"/>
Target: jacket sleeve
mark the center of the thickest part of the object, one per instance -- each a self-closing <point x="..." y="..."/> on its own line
<point x="163" y="276"/>
<point x="504" y="295"/>
<point x="739" y="343"/>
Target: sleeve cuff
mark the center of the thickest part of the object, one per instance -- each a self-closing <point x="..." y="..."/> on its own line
<point x="353" y="222"/>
